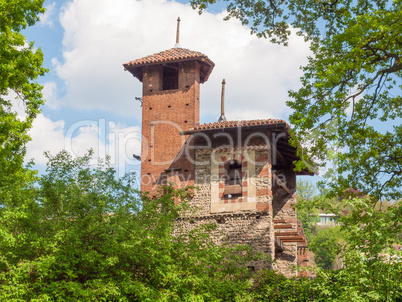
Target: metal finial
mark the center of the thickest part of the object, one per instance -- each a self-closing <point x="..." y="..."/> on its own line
<point x="222" y="118"/>
<point x="178" y="34"/>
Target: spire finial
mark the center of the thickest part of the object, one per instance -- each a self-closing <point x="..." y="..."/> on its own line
<point x="222" y="118"/>
<point x="178" y="34"/>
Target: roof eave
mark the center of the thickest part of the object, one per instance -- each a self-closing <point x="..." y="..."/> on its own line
<point x="133" y="68"/>
<point x="276" y="126"/>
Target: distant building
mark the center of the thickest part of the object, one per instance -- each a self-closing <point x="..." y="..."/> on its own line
<point x="326" y="219"/>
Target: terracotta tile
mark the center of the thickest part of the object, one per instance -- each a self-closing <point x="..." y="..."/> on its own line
<point x="231" y="124"/>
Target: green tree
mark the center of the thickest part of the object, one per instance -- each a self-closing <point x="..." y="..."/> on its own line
<point x="369" y="234"/>
<point x="349" y="107"/>
<point x="370" y="270"/>
<point x="87" y="236"/>
<point x="307" y="208"/>
<point x="324" y="245"/>
<point x="20" y="66"/>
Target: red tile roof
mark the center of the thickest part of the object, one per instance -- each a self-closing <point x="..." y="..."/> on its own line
<point x="246" y="123"/>
<point x="173" y="54"/>
<point x="170" y="56"/>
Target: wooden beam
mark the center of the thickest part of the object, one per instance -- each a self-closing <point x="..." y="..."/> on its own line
<point x="232" y="189"/>
<point x="285" y="221"/>
<point x="290" y="237"/>
<point x="285" y="144"/>
<point x="278" y="245"/>
<point x="293" y="155"/>
<point x="287" y="234"/>
<point x="292" y="240"/>
<point x="283" y="186"/>
<point x="283" y="226"/>
<point x="279" y="154"/>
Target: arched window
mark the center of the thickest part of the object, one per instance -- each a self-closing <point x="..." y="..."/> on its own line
<point x="233" y="179"/>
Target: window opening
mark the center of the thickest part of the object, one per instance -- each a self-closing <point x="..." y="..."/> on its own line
<point x="170" y="77"/>
<point x="233" y="180"/>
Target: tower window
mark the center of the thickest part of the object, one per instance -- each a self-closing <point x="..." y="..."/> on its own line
<point x="233" y="181"/>
<point x="170" y="77"/>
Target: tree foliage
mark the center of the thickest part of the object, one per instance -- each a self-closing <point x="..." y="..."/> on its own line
<point x="368" y="256"/>
<point x="20" y="66"/>
<point x="325" y="246"/>
<point x="307" y="208"/>
<point x="371" y="268"/>
<point x="80" y="233"/>
<point x="85" y="235"/>
<point x="349" y="107"/>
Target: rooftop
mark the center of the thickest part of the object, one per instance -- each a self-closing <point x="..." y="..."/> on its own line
<point x="282" y="144"/>
<point x="235" y="124"/>
<point x="171" y="55"/>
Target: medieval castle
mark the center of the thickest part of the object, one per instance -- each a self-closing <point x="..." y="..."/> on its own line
<point x="243" y="169"/>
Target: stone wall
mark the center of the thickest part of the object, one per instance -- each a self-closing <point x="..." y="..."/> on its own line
<point x="251" y="224"/>
<point x="253" y="229"/>
<point x="284" y="213"/>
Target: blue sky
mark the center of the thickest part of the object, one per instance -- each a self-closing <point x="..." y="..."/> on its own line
<point x="90" y="98"/>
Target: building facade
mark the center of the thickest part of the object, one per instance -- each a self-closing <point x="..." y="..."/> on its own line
<point x="243" y="170"/>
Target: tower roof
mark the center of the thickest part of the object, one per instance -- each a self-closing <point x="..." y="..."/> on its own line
<point x="171" y="55"/>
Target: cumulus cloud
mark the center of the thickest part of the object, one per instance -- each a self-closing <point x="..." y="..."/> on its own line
<point x="17" y="104"/>
<point x="105" y="138"/>
<point x="46" y="18"/>
<point x="49" y="93"/>
<point x="251" y="114"/>
<point x="46" y="135"/>
<point x="100" y="36"/>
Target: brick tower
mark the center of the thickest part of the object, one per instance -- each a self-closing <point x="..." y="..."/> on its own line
<point x="170" y="105"/>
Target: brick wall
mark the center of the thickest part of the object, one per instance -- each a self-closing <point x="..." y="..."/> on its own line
<point x="164" y="114"/>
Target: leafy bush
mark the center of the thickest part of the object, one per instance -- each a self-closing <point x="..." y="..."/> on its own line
<point x="324" y="245"/>
<point x="82" y="234"/>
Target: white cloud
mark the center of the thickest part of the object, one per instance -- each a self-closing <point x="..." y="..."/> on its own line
<point x="46" y="18"/>
<point x="105" y="138"/>
<point x="46" y="136"/>
<point x="251" y="114"/>
<point x="49" y="92"/>
<point x="100" y="36"/>
<point x="17" y="104"/>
